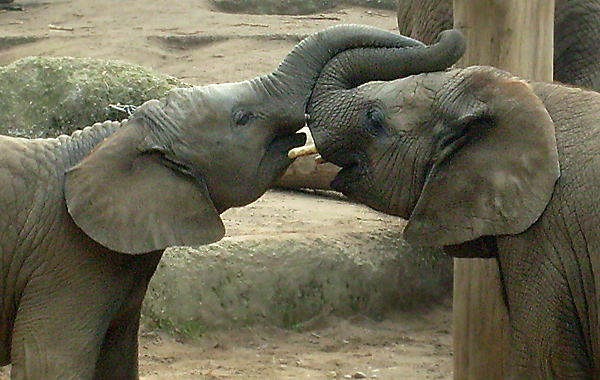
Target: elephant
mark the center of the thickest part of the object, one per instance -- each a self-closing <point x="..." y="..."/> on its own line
<point x="87" y="216"/>
<point x="576" y="34"/>
<point x="482" y="164"/>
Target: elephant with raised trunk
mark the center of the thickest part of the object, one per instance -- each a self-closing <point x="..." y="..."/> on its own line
<point x="85" y="218"/>
<point x="483" y="164"/>
<point x="576" y="34"/>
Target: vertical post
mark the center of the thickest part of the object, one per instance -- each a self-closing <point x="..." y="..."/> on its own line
<point x="516" y="36"/>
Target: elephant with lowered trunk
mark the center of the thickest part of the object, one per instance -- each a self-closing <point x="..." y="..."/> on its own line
<point x="576" y="34"/>
<point x="576" y="58"/>
<point x="482" y="164"/>
<point x="85" y="218"/>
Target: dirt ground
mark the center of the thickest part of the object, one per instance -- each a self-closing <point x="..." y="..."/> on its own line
<point x="190" y="40"/>
<point x="404" y="346"/>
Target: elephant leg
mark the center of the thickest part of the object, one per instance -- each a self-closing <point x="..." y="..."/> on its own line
<point x="543" y="348"/>
<point x="118" y="358"/>
<point x="54" y="335"/>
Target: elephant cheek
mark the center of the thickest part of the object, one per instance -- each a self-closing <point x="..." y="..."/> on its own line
<point x="357" y="185"/>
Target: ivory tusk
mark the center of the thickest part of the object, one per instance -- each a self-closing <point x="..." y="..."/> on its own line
<point x="306" y="150"/>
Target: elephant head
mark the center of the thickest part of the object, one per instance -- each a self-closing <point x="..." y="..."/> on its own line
<point x="463" y="155"/>
<point x="165" y="176"/>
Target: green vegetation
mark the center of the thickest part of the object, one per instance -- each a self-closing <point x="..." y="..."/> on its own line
<point x="45" y="97"/>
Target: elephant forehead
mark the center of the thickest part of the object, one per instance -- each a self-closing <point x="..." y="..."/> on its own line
<point x="400" y="92"/>
<point x="211" y="97"/>
<point x="226" y="95"/>
<point x="405" y="102"/>
<point x="212" y="100"/>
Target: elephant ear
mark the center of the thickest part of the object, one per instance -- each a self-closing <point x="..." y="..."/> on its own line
<point x="496" y="164"/>
<point x="132" y="200"/>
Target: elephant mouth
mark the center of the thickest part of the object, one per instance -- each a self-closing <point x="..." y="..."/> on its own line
<point x="287" y="143"/>
<point x="276" y="157"/>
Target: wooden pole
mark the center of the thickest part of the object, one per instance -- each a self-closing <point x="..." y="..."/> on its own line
<point x="517" y="36"/>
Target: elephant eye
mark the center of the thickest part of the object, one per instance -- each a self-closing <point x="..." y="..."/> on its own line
<point x="242" y="118"/>
<point x="375" y="120"/>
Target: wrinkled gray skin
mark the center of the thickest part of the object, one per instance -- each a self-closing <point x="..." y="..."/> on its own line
<point x="85" y="218"/>
<point x="482" y="163"/>
<point x="576" y="34"/>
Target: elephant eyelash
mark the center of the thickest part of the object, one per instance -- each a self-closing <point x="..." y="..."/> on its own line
<point x="376" y="123"/>
<point x="242" y="118"/>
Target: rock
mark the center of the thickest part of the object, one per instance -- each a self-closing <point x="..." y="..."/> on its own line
<point x="45" y="97"/>
<point x="286" y="281"/>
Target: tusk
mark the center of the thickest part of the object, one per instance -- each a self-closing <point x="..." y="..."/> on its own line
<point x="306" y="150"/>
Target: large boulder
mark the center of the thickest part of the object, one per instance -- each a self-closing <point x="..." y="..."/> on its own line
<point x="281" y="7"/>
<point x="287" y="281"/>
<point x="45" y="97"/>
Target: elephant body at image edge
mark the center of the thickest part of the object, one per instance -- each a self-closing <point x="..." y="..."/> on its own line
<point x="576" y="34"/>
<point x="476" y="158"/>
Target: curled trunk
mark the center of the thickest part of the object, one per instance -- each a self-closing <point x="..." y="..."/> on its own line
<point x="357" y="66"/>
<point x="347" y="70"/>
<point x="293" y="80"/>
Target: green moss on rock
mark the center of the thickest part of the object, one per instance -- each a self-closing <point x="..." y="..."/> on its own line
<point x="45" y="97"/>
<point x="287" y="282"/>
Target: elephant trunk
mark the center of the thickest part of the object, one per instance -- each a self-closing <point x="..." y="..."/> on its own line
<point x="358" y="66"/>
<point x="351" y="68"/>
<point x="295" y="77"/>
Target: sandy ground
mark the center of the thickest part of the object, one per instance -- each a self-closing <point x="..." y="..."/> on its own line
<point x="404" y="346"/>
<point x="191" y="41"/>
